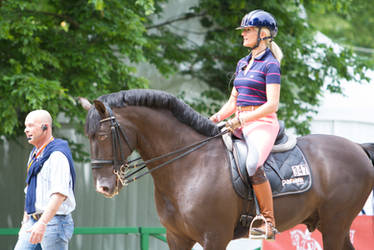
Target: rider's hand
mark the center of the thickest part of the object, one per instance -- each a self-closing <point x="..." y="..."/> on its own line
<point x="215" y="118"/>
<point x="233" y="124"/>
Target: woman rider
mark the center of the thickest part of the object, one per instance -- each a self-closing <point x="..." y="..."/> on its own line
<point x="254" y="100"/>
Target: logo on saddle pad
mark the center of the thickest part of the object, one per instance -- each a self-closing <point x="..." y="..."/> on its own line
<point x="291" y="181"/>
<point x="298" y="171"/>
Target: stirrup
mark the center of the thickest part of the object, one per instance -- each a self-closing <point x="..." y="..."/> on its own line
<point x="261" y="236"/>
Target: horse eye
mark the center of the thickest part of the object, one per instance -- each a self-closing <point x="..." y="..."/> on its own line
<point x="102" y="137"/>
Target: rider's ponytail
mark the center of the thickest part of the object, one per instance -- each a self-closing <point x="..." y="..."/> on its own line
<point x="275" y="49"/>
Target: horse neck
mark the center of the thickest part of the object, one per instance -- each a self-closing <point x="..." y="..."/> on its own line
<point x="158" y="131"/>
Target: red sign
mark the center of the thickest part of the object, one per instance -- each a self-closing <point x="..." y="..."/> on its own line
<point x="299" y="238"/>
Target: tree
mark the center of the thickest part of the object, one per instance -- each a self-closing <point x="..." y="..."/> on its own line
<point x="306" y="67"/>
<point x="54" y="51"/>
<point x="350" y="28"/>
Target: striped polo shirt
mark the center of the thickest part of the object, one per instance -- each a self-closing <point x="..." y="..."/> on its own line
<point x="252" y="86"/>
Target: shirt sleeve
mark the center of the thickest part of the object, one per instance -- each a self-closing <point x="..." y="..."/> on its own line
<point x="273" y="74"/>
<point x="60" y="177"/>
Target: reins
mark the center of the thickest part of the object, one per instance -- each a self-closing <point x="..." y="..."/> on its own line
<point x="143" y="164"/>
<point x="120" y="168"/>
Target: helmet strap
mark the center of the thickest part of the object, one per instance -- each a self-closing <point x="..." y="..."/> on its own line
<point x="259" y="39"/>
<point x="268" y="37"/>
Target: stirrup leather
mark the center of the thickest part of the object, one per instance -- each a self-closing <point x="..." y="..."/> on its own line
<point x="261" y="236"/>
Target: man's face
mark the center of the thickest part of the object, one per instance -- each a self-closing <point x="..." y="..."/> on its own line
<point x="33" y="130"/>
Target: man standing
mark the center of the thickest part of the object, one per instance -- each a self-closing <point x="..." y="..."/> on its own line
<point x="47" y="221"/>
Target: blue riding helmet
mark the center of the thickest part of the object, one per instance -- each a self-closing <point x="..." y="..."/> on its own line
<point x="260" y="18"/>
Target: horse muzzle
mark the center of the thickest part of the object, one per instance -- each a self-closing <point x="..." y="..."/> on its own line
<point x="107" y="186"/>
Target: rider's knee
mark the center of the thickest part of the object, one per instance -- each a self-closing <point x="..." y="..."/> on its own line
<point x="251" y="163"/>
<point x="258" y="177"/>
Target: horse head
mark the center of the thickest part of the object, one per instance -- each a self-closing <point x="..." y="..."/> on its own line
<point x="109" y="145"/>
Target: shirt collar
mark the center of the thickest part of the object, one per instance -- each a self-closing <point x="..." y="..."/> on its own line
<point x="39" y="151"/>
<point x="259" y="57"/>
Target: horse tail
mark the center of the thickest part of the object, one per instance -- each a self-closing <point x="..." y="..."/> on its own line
<point x="369" y="150"/>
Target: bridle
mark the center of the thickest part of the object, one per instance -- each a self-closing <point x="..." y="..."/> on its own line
<point x="121" y="167"/>
<point x="118" y="163"/>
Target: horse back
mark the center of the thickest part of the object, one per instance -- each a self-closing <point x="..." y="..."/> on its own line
<point x="336" y="160"/>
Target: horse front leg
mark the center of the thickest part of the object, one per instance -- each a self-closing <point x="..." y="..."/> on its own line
<point x="347" y="243"/>
<point x="177" y="242"/>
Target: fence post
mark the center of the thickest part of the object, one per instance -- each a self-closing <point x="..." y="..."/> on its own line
<point x="144" y="239"/>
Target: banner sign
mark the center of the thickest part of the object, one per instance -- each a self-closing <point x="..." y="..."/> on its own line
<point x="299" y="238"/>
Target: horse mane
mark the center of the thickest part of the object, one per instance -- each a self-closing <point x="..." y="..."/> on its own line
<point x="153" y="99"/>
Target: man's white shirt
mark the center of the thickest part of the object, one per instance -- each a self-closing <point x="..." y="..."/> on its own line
<point x="55" y="177"/>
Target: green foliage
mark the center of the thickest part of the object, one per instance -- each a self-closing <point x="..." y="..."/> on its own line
<point x="351" y="28"/>
<point x="308" y="68"/>
<point x="207" y="104"/>
<point x="54" y="51"/>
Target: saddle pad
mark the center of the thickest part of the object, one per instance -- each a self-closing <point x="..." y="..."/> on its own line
<point x="288" y="172"/>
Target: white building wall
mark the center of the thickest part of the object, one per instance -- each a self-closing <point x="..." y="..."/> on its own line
<point x="350" y="116"/>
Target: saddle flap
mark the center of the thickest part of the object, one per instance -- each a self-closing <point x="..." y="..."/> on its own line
<point x="240" y="155"/>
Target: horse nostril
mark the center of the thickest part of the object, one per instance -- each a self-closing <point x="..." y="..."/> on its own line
<point x="103" y="189"/>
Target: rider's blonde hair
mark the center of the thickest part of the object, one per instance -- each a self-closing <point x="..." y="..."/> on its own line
<point x="275" y="49"/>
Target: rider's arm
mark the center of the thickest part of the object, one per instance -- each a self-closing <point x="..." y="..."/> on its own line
<point x="228" y="109"/>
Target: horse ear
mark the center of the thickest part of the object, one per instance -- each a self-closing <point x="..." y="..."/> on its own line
<point x="100" y="108"/>
<point x="84" y="103"/>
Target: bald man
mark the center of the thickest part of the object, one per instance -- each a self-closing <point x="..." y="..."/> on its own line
<point x="47" y="222"/>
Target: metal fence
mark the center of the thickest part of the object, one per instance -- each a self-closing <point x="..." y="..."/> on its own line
<point x="144" y="232"/>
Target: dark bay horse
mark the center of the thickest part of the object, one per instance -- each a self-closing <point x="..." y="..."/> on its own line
<point x="194" y="196"/>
